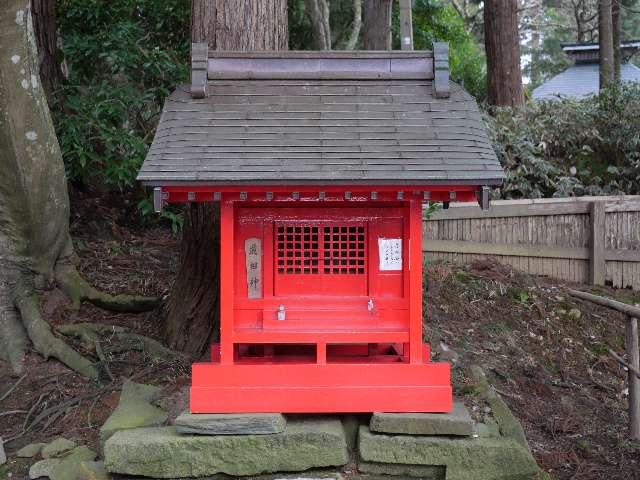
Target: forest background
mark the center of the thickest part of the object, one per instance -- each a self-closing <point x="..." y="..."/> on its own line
<point x="120" y="59"/>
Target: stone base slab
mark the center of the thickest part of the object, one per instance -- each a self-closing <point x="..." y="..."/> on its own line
<point x="463" y="458"/>
<point x="458" y="422"/>
<point x="230" y="423"/>
<point x="423" y="472"/>
<point x="162" y="452"/>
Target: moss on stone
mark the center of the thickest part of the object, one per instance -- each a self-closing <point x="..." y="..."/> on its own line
<point x="482" y="458"/>
<point x="164" y="453"/>
<point x="134" y="410"/>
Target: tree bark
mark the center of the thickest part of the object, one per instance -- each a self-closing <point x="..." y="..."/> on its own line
<point x="191" y="314"/>
<point x="605" y="34"/>
<point x="616" y="26"/>
<point x="319" y="12"/>
<point x="36" y="251"/>
<point x="356" y="26"/>
<point x="502" y="44"/>
<point x="44" y="23"/>
<point x="377" y="25"/>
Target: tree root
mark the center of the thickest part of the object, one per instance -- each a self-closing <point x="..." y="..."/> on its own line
<point x="112" y="339"/>
<point x="13" y="340"/>
<point x="44" y="341"/>
<point x="78" y="289"/>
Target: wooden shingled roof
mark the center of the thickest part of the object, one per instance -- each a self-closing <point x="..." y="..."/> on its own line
<point x="320" y="117"/>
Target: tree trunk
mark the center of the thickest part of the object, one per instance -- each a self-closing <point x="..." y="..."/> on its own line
<point x="616" y="25"/>
<point x="44" y="24"/>
<point x="192" y="310"/>
<point x="377" y="25"/>
<point x="36" y="251"/>
<point x="319" y="12"/>
<point x="605" y="34"/>
<point x="502" y="44"/>
<point x="356" y="26"/>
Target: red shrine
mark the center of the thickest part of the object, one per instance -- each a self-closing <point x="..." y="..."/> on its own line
<point x="321" y="162"/>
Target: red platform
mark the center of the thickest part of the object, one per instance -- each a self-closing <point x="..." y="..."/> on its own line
<point x="351" y="384"/>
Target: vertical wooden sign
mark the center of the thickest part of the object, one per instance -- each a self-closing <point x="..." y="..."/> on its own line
<point x="253" y="255"/>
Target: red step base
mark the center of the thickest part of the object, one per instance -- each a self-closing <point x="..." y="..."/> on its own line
<point x="321" y="388"/>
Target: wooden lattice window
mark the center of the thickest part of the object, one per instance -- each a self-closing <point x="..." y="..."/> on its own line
<point x="298" y="249"/>
<point x="344" y="249"/>
<point x="321" y="249"/>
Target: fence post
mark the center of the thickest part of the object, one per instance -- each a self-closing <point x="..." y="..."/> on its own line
<point x="597" y="263"/>
<point x="406" y="25"/>
<point x="633" y="352"/>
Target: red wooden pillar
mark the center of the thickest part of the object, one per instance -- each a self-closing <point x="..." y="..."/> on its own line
<point x="414" y="263"/>
<point x="227" y="256"/>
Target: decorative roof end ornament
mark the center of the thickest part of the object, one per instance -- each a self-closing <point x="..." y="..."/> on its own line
<point x="199" y="67"/>
<point x="441" y="70"/>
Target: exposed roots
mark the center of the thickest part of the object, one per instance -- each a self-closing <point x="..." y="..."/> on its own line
<point x="25" y="322"/>
<point x="13" y="340"/>
<point x="108" y="339"/>
<point x="78" y="289"/>
<point x="44" y="341"/>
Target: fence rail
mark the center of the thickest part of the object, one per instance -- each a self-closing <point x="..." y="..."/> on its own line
<point x="633" y="352"/>
<point x="586" y="239"/>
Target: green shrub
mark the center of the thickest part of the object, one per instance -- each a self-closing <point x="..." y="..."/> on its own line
<point x="123" y="58"/>
<point x="435" y="21"/>
<point x="571" y="147"/>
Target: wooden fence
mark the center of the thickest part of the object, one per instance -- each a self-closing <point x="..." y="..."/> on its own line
<point x="586" y="239"/>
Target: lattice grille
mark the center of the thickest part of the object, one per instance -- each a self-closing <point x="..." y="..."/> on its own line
<point x="344" y="250"/>
<point x="300" y="251"/>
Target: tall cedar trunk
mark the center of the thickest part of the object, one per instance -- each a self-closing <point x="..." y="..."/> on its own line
<point x="192" y="310"/>
<point x="318" y="11"/>
<point x="377" y="25"/>
<point x="616" y="25"/>
<point x="605" y="34"/>
<point x="44" y="24"/>
<point x="36" y="251"/>
<point x="502" y="44"/>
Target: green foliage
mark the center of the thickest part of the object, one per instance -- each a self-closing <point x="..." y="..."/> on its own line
<point x="171" y="214"/>
<point x="123" y="57"/>
<point x="299" y="26"/>
<point x="571" y="147"/>
<point x="435" y="21"/>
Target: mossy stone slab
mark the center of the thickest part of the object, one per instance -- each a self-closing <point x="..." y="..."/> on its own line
<point x="230" y="423"/>
<point x="134" y="410"/>
<point x="92" y="471"/>
<point x="163" y="452"/>
<point x="423" y="472"/>
<point x="70" y="467"/>
<point x="481" y="458"/>
<point x="30" y="451"/>
<point x="58" y="448"/>
<point x="43" y="468"/>
<point x="458" y="422"/>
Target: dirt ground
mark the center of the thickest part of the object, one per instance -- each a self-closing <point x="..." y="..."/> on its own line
<point x="546" y="353"/>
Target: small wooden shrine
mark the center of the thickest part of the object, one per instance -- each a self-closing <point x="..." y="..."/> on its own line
<point x="321" y="163"/>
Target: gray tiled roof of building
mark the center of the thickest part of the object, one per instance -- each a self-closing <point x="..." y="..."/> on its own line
<point x="366" y="131"/>
<point x="580" y="80"/>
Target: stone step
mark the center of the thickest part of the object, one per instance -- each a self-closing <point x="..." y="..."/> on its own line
<point x="463" y="458"/>
<point x="230" y="423"/>
<point x="458" y="422"/>
<point x="162" y="452"/>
